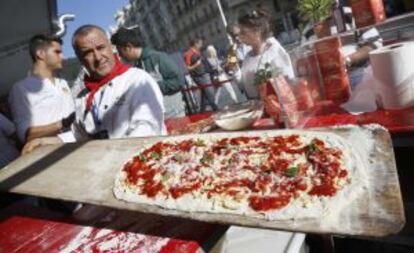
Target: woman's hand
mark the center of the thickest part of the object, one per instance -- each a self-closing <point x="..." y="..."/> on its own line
<point x="36" y="143"/>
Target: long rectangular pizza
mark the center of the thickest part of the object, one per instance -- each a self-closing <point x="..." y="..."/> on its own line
<point x="275" y="176"/>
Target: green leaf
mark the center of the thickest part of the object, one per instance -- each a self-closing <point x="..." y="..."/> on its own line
<point x="165" y="177"/>
<point x="263" y="74"/>
<point x="155" y="155"/>
<point x="206" y="159"/>
<point x="292" y="171"/>
<point x="312" y="148"/>
<point x="142" y="157"/>
<point x="178" y="158"/>
<point x="199" y="143"/>
<point x="317" y="10"/>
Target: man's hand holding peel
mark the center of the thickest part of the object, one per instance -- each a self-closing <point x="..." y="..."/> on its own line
<point x="36" y="143"/>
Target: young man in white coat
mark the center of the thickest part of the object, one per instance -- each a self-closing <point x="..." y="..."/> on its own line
<point x="42" y="104"/>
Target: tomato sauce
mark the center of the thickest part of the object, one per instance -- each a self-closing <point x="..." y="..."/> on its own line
<point x="232" y="193"/>
<point x="268" y="203"/>
<point x="262" y="182"/>
<point x="343" y="173"/>
<point x="152" y="188"/>
<point x="135" y="171"/>
<point x="325" y="189"/>
<point x="217" y="149"/>
<point x="177" y="192"/>
<point x="242" y="140"/>
<point x="278" y="165"/>
<point x="294" y="151"/>
<point x="157" y="148"/>
<point x="185" y="146"/>
<point x="294" y="140"/>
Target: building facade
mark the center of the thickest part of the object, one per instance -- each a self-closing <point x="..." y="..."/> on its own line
<point x="169" y="25"/>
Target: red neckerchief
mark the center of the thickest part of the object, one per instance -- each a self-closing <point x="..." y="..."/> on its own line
<point x="93" y="85"/>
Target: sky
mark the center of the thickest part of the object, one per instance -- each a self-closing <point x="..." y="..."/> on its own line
<point x="97" y="12"/>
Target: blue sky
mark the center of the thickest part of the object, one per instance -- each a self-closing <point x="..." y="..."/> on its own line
<point x="97" y="12"/>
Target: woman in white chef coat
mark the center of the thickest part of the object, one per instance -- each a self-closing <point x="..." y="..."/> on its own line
<point x="255" y="31"/>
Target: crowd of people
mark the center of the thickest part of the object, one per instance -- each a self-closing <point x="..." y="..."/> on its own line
<point x="131" y="92"/>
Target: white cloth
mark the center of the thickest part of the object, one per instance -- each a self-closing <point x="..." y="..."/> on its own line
<point x="37" y="102"/>
<point x="8" y="152"/>
<point x="274" y="54"/>
<point x="130" y="105"/>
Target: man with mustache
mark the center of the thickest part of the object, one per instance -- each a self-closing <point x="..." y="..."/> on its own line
<point x="114" y="100"/>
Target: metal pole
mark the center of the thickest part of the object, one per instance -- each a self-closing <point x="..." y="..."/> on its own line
<point x="223" y="18"/>
<point x="222" y="13"/>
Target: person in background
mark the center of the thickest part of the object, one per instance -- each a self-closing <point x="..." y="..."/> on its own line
<point x="116" y="101"/>
<point x="357" y="56"/>
<point x="255" y="31"/>
<point x="8" y="150"/>
<point x="158" y="64"/>
<point x="42" y="104"/>
<point x="195" y="65"/>
<point x="367" y="41"/>
<point x="241" y="48"/>
<point x="225" y="94"/>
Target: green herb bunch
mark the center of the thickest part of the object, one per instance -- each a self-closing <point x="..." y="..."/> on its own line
<point x="263" y="74"/>
<point x="316" y="10"/>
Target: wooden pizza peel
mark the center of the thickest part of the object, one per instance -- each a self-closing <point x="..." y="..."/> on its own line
<point x="85" y="172"/>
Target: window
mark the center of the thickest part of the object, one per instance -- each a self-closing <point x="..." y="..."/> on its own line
<point x="212" y="9"/>
<point x="276" y="6"/>
<point x="205" y="12"/>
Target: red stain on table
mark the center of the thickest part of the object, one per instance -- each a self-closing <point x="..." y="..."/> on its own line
<point x="23" y="234"/>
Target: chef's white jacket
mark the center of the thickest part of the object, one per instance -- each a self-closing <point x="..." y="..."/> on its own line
<point x="36" y="102"/>
<point x="130" y="105"/>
